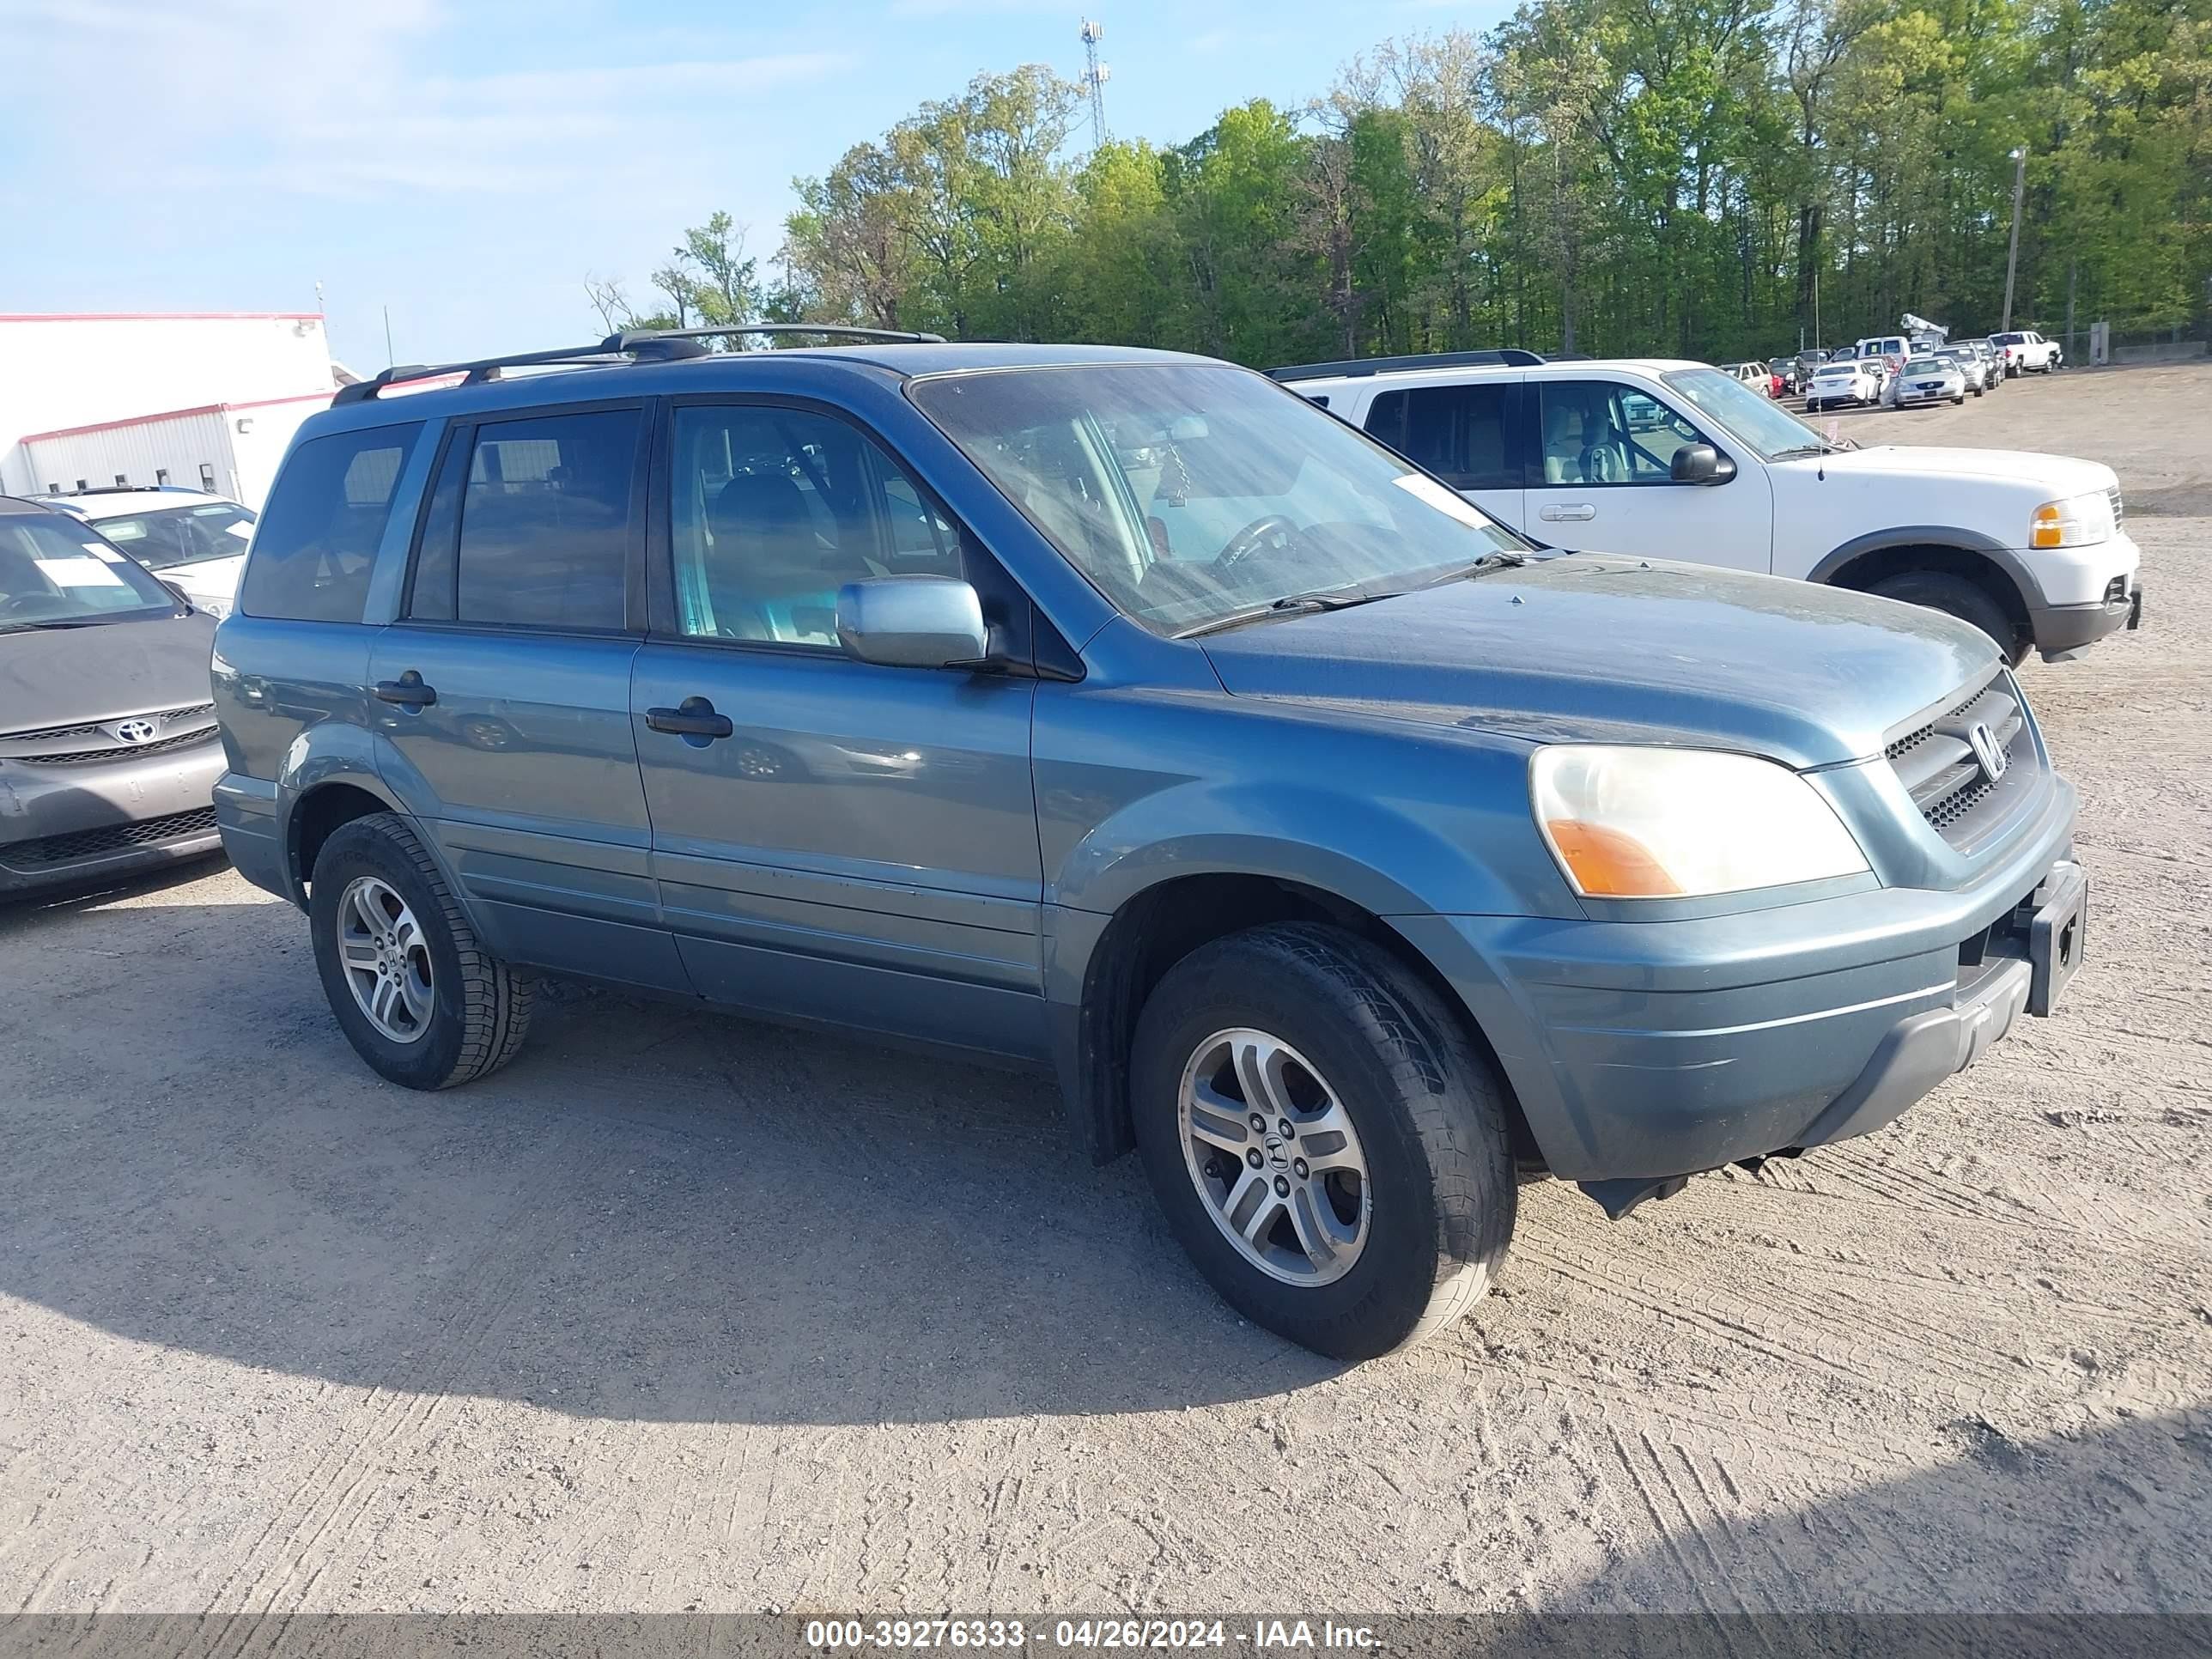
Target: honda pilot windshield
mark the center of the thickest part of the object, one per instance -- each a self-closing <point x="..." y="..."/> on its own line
<point x="1193" y="496"/>
<point x="54" y="573"/>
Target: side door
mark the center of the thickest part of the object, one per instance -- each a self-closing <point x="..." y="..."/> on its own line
<point x="833" y="840"/>
<point x="1606" y="484"/>
<point x="502" y="691"/>
<point x="1474" y="436"/>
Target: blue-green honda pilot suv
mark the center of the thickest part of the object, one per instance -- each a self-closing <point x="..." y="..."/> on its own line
<point x="1124" y="714"/>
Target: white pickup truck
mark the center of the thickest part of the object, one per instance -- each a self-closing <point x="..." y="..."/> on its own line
<point x="1668" y="460"/>
<point x="2027" y="352"/>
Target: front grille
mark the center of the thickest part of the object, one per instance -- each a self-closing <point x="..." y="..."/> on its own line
<point x="1947" y="780"/>
<point x="50" y="850"/>
<point x="79" y="745"/>
<point x="79" y="757"/>
<point x="2119" y="512"/>
<point x="92" y="729"/>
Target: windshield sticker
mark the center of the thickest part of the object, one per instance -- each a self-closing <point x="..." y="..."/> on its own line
<point x="1425" y="488"/>
<point x="78" y="572"/>
<point x="102" y="551"/>
<point x="243" y="530"/>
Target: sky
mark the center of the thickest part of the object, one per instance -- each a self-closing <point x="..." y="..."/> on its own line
<point x="468" y="165"/>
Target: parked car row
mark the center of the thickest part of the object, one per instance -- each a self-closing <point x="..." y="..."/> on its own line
<point x="1360" y="801"/>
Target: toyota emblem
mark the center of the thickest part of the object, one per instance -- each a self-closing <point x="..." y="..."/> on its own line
<point x="135" y="730"/>
<point x="1983" y="742"/>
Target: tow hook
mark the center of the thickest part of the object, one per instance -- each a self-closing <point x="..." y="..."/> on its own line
<point x="1618" y="1198"/>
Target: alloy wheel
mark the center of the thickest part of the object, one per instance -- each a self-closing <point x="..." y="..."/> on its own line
<point x="1274" y="1158"/>
<point x="386" y="959"/>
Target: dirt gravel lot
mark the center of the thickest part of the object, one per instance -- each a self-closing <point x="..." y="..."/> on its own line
<point x="686" y="1311"/>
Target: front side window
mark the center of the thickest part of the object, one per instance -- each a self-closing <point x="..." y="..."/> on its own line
<point x="1759" y="423"/>
<point x="1603" y="432"/>
<point x="545" y="523"/>
<point x="55" y="572"/>
<point x="1460" y="433"/>
<point x="316" y="540"/>
<point x="182" y="535"/>
<point x="773" y="509"/>
<point x="1189" y="493"/>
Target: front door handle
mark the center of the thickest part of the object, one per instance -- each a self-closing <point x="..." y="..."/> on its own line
<point x="1567" y="512"/>
<point x="694" y="718"/>
<point x="408" y="691"/>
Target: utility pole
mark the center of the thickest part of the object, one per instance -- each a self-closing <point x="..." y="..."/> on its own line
<point x="2012" y="259"/>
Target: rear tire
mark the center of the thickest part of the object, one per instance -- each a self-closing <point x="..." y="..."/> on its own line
<point x="1331" y="1030"/>
<point x="1954" y="596"/>
<point x="473" y="1011"/>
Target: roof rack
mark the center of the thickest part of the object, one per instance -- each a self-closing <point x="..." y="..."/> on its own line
<point x="1511" y="356"/>
<point x="631" y="339"/>
<point x="630" y="345"/>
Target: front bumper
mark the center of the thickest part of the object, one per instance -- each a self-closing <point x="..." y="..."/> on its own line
<point x="62" y="825"/>
<point x="1643" y="1050"/>
<point x="2061" y="630"/>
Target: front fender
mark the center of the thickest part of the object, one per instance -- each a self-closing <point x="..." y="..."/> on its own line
<point x="1372" y="851"/>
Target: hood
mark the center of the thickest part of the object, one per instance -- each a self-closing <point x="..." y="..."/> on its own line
<point x="2050" y="476"/>
<point x="71" y="675"/>
<point x="1593" y="649"/>
<point x="210" y="579"/>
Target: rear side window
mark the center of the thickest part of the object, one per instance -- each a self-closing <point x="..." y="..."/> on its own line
<point x="1460" y="433"/>
<point x="317" y="541"/>
<point x="545" y="522"/>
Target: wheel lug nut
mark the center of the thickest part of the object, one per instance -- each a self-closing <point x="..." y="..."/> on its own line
<point x="1286" y="1131"/>
<point x="1252" y="1157"/>
<point x="1282" y="1188"/>
<point x="1259" y="1123"/>
<point x="1299" y="1165"/>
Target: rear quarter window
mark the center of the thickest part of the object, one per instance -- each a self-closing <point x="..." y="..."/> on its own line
<point x="316" y="544"/>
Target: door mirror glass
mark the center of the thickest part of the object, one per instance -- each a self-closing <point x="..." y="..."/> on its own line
<point x="1701" y="464"/>
<point x="911" y="622"/>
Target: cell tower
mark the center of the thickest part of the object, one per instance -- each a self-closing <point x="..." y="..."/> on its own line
<point x="1095" y="76"/>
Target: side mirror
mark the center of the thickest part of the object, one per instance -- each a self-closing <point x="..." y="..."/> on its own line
<point x="178" y="594"/>
<point x="1700" y="464"/>
<point x="912" y="622"/>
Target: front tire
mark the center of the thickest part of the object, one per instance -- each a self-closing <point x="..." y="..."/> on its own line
<point x="1324" y="1137"/>
<point x="416" y="995"/>
<point x="1954" y="596"/>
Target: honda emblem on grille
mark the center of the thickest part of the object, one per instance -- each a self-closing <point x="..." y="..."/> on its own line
<point x="135" y="731"/>
<point x="1983" y="742"/>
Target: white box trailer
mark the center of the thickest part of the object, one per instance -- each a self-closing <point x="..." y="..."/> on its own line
<point x="225" y="449"/>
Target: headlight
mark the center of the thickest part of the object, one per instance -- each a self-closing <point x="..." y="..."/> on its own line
<point x="217" y="608"/>
<point x="1638" y="823"/>
<point x="2077" y="521"/>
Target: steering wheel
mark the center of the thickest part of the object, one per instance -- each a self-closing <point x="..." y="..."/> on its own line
<point x="1249" y="540"/>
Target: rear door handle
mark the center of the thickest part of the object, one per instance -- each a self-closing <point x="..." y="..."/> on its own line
<point x="1567" y="513"/>
<point x="694" y="718"/>
<point x="408" y="691"/>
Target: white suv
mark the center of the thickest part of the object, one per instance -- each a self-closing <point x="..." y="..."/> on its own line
<point x="2025" y="351"/>
<point x="194" y="542"/>
<point x="1675" y="460"/>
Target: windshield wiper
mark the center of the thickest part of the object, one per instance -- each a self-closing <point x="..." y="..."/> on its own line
<point x="1506" y="559"/>
<point x="1337" y="599"/>
<point x="1824" y="447"/>
<point x="59" y="622"/>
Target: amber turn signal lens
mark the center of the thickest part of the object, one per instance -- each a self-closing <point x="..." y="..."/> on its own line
<point x="2050" y="527"/>
<point x="1607" y="864"/>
